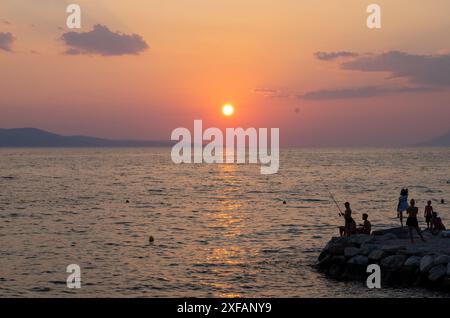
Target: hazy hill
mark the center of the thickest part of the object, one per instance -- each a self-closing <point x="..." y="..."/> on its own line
<point x="442" y="141"/>
<point x="32" y="137"/>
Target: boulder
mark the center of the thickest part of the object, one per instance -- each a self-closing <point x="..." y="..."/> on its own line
<point x="351" y="251"/>
<point x="377" y="255"/>
<point x="415" y="251"/>
<point x="387" y="237"/>
<point x="441" y="259"/>
<point x="413" y="261"/>
<point x="437" y="272"/>
<point x="393" y="250"/>
<point x="360" y="239"/>
<point x="446" y="282"/>
<point x="394" y="261"/>
<point x="336" y="270"/>
<point x="336" y="246"/>
<point x="338" y="259"/>
<point x="399" y="232"/>
<point x="325" y="261"/>
<point x="366" y="249"/>
<point x="426" y="263"/>
<point x="359" y="260"/>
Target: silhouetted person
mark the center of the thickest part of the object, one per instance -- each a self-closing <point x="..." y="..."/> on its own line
<point x="350" y="224"/>
<point x="436" y="224"/>
<point x="412" y="222"/>
<point x="428" y="214"/>
<point x="366" y="227"/>
<point x="402" y="204"/>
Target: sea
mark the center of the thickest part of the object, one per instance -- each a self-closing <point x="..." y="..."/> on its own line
<point x="219" y="230"/>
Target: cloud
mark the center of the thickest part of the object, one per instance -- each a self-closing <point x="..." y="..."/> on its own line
<point x="272" y="93"/>
<point x="423" y="74"/>
<point x="6" y="41"/>
<point x="103" y="42"/>
<point x="265" y="91"/>
<point x="361" y="92"/>
<point x="431" y="70"/>
<point x="331" y="56"/>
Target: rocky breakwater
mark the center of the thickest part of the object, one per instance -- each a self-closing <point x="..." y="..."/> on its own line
<point x="402" y="263"/>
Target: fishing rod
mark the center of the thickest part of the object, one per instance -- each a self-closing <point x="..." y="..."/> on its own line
<point x="335" y="202"/>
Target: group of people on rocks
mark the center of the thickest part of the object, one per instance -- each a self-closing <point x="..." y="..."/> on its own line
<point x="350" y="227"/>
<point x="433" y="221"/>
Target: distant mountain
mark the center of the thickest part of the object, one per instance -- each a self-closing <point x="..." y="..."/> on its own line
<point x="442" y="141"/>
<point x="32" y="137"/>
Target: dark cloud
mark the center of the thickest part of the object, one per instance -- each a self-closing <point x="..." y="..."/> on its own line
<point x="330" y="56"/>
<point x="103" y="42"/>
<point x="6" y="41"/>
<point x="361" y="92"/>
<point x="419" y="69"/>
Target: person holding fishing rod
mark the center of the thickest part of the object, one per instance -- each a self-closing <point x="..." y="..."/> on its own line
<point x="350" y="224"/>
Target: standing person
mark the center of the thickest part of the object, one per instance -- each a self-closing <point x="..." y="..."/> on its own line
<point x="402" y="204"/>
<point x="412" y="222"/>
<point x="428" y="214"/>
<point x="350" y="224"/>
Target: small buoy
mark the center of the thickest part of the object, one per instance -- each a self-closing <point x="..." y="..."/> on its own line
<point x="284" y="202"/>
<point x="127" y="201"/>
<point x="151" y="239"/>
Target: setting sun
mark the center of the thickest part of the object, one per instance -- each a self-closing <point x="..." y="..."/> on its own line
<point x="228" y="110"/>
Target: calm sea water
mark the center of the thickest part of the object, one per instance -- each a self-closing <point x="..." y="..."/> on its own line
<point x="220" y="230"/>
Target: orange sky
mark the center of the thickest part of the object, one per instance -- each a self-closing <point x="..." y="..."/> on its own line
<point x="205" y="53"/>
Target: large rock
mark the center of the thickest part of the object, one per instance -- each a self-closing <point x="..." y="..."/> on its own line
<point x="415" y="251"/>
<point x="441" y="259"/>
<point x="377" y="255"/>
<point x="338" y="259"/>
<point x="366" y="249"/>
<point x="387" y="237"/>
<point x="351" y="251"/>
<point x="336" y="246"/>
<point x="360" y="239"/>
<point x="359" y="260"/>
<point x="394" y="261"/>
<point x="336" y="270"/>
<point x="426" y="263"/>
<point x="325" y="261"/>
<point x="413" y="261"/>
<point x="437" y="272"/>
<point x="393" y="250"/>
<point x="399" y="232"/>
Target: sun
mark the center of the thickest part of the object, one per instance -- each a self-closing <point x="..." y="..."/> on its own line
<point x="228" y="110"/>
